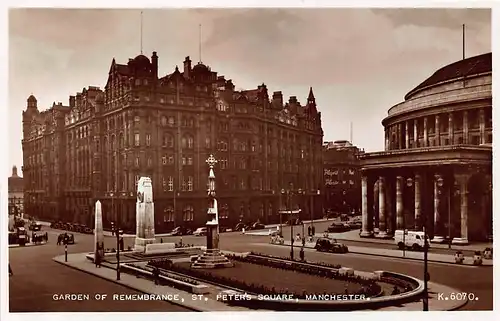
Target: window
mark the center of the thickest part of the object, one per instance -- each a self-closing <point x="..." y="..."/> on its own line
<point x="190" y="161"/>
<point x="171" y="121"/>
<point x="222" y="145"/>
<point x="168" y="140"/>
<point x="163" y="121"/>
<point x="148" y="139"/>
<point x="170" y="183"/>
<point x="188" y="213"/>
<point x="168" y="214"/>
<point x="223" y="163"/>
<point x="190" y="183"/>
<point x="207" y="143"/>
<point x="164" y="160"/>
<point x="183" y="185"/>
<point x="137" y="162"/>
<point x="164" y="183"/>
<point x="150" y="162"/>
<point x="187" y="142"/>
<point x="137" y="138"/>
<point x="183" y="160"/>
<point x="170" y="160"/>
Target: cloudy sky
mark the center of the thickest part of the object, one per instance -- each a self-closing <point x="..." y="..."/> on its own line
<point x="359" y="62"/>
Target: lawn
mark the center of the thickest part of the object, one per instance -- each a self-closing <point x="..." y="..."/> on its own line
<point x="292" y="281"/>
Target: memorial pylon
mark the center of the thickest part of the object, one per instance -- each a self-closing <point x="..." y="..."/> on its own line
<point x="145" y="215"/>
<point x="98" y="231"/>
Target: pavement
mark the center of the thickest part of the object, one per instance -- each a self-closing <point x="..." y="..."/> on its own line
<point x="411" y="255"/>
<point x="26" y="245"/>
<point x="208" y="303"/>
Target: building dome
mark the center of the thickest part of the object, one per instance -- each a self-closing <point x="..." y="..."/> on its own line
<point x="200" y="68"/>
<point x="141" y="59"/>
<point x="31" y="99"/>
<point x="463" y="68"/>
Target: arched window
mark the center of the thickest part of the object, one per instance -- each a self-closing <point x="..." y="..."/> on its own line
<point x="168" y="214"/>
<point x="113" y="142"/>
<point x="188" y="213"/>
<point x="171" y="121"/>
<point x="168" y="140"/>
<point x="122" y="141"/>
<point x="235" y="144"/>
<point x="187" y="142"/>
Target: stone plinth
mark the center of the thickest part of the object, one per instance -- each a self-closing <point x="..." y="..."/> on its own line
<point x="212" y="259"/>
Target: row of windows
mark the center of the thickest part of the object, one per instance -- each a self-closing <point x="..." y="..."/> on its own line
<point x="187" y="214"/>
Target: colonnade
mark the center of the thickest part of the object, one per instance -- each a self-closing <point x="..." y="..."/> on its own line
<point x="380" y="220"/>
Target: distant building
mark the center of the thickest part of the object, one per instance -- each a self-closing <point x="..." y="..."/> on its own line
<point x="342" y="190"/>
<point x="16" y="194"/>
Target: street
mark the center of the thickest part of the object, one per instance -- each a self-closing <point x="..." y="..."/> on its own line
<point x="28" y="262"/>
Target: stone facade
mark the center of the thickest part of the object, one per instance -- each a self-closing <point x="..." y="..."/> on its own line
<point x="164" y="128"/>
<point x="436" y="168"/>
<point x="16" y="193"/>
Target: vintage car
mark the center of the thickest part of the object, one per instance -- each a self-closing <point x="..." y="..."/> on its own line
<point x="200" y="231"/>
<point x="257" y="226"/>
<point x="296" y="221"/>
<point x="330" y="245"/>
<point x="34" y="226"/>
<point x="338" y="227"/>
<point x="67" y="238"/>
<point x="181" y="230"/>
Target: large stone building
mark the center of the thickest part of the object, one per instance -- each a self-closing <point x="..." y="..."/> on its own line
<point x="342" y="179"/>
<point x="436" y="167"/>
<point x="165" y="127"/>
<point x="16" y="193"/>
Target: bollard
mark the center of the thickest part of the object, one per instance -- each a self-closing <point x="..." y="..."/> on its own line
<point x="65" y="252"/>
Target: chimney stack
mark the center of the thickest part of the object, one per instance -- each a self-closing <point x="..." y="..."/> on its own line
<point x="71" y="101"/>
<point x="187" y="67"/>
<point x="278" y="98"/>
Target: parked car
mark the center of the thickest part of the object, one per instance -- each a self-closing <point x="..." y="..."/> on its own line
<point x="34" y="226"/>
<point x="338" y="227"/>
<point x="354" y="224"/>
<point x="330" y="245"/>
<point x="344" y="217"/>
<point x="181" y="230"/>
<point x="296" y="221"/>
<point x="257" y="226"/>
<point x="240" y="226"/>
<point x="200" y="231"/>
<point x="223" y="229"/>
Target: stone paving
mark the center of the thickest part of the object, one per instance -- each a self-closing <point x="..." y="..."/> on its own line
<point x="412" y="255"/>
<point x="208" y="303"/>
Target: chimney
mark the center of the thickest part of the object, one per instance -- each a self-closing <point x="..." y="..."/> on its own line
<point x="278" y="98"/>
<point x="187" y="67"/>
<point x="14" y="171"/>
<point x="154" y="62"/>
<point x="292" y="100"/>
<point x="229" y="85"/>
<point x="71" y="101"/>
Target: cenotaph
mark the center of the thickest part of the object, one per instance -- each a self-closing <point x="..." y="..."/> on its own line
<point x="212" y="257"/>
<point x="98" y="231"/>
<point x="145" y="216"/>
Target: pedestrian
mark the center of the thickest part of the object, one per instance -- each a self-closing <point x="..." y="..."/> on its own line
<point x="181" y="241"/>
<point x="10" y="271"/>
<point x="98" y="259"/>
<point x="161" y="239"/>
<point x="156" y="275"/>
<point x="309" y="230"/>
<point x="59" y="237"/>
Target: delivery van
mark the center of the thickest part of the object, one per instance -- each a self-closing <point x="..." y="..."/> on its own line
<point x="410" y="239"/>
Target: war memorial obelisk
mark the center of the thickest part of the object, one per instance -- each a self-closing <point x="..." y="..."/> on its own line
<point x="98" y="231"/>
<point x="212" y="258"/>
<point x="145" y="215"/>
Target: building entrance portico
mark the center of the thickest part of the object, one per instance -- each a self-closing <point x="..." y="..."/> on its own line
<point x="451" y="201"/>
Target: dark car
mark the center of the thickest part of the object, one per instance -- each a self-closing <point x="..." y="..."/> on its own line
<point x="354" y="225"/>
<point x="330" y="245"/>
<point x="338" y="227"/>
<point x="296" y="221"/>
<point x="257" y="226"/>
<point x="181" y="230"/>
<point x="240" y="226"/>
<point x="67" y="238"/>
<point x="35" y="227"/>
<point x="223" y="229"/>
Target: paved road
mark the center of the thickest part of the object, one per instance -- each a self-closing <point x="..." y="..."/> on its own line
<point x="37" y="279"/>
<point x="464" y="278"/>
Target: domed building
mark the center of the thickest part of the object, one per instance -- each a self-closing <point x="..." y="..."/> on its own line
<point x="436" y="170"/>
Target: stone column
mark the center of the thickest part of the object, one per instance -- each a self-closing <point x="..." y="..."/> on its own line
<point x="482" y="137"/>
<point x="466" y="127"/>
<point x="389" y="209"/>
<point x="450" y="128"/>
<point x="400" y="137"/>
<point x="437" y="131"/>
<point x="365" y="229"/>
<point x="418" y="213"/>
<point x="463" y="180"/>
<point x="381" y="209"/>
<point x="399" y="203"/>
<point x="415" y="133"/>
<point x="407" y="136"/>
<point x="425" y="133"/>
<point x="386" y="132"/>
<point x="438" y="238"/>
<point x="375" y="217"/>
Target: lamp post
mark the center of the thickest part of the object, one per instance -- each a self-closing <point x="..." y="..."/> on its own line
<point x="409" y="183"/>
<point x="288" y="194"/>
<point x="440" y="183"/>
<point x="118" y="232"/>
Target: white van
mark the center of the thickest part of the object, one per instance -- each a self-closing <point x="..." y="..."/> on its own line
<point x="410" y="239"/>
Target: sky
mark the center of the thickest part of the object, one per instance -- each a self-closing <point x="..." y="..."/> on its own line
<point x="360" y="62"/>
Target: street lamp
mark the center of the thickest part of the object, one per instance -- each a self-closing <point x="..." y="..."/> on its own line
<point x="118" y="232"/>
<point x="288" y="194"/>
<point x="409" y="183"/>
<point x="440" y="183"/>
